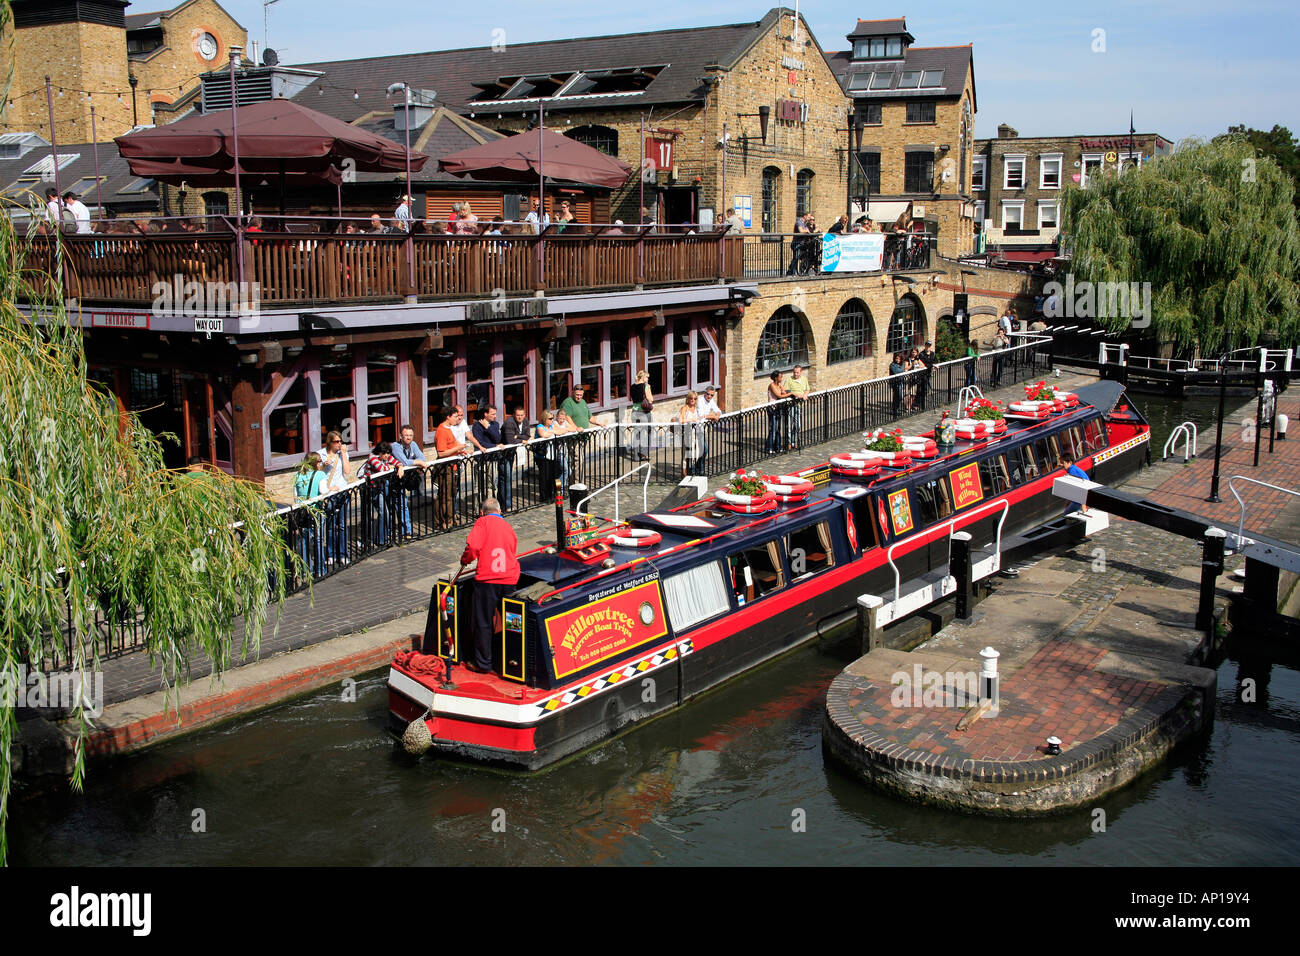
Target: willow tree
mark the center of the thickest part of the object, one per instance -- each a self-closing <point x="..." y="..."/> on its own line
<point x="95" y="523"/>
<point x="1213" y="230"/>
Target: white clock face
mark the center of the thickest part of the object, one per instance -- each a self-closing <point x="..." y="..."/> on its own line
<point x="207" y="46"/>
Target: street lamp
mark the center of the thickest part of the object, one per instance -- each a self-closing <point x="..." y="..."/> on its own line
<point x="405" y="90"/>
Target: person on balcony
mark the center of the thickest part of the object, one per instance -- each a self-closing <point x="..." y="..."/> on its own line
<point x="493" y="545"/>
<point x="565" y="219"/>
<point x="466" y="221"/>
<point x="537" y="219"/>
<point x="402" y="214"/>
<point x="735" y="225"/>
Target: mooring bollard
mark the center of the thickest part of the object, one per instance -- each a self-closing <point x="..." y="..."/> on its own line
<point x="959" y="567"/>
<point x="1211" y="568"/>
<point x="868" y="605"/>
<point x="989" y="680"/>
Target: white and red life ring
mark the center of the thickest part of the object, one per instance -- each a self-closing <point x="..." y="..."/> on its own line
<point x="1068" y="398"/>
<point x="1036" y="410"/>
<point x="856" y="464"/>
<point x="745" y="504"/>
<point x="788" y="488"/>
<point x="894" y="459"/>
<point x="973" y="429"/>
<point x="915" y="446"/>
<point x="635" y="538"/>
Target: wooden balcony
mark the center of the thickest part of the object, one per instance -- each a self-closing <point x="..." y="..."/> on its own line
<point x="293" y="270"/>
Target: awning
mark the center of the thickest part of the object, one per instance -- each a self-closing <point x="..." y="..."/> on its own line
<point x="1028" y="255"/>
<point x="888" y="212"/>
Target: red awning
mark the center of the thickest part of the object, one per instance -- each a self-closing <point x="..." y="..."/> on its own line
<point x="518" y="158"/>
<point x="1028" y="255"/>
<point x="277" y="137"/>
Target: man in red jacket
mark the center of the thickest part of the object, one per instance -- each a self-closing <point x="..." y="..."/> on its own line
<point x="492" y="543"/>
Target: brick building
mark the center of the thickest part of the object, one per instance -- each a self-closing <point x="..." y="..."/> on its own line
<point x="95" y="53"/>
<point x="1017" y="183"/>
<point x="918" y="106"/>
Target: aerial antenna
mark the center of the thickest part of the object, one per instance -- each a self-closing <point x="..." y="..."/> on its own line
<point x="266" y="28"/>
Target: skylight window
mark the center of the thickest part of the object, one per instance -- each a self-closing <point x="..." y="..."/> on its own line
<point x="859" y="81"/>
<point x="602" y="82"/>
<point x="931" y="79"/>
<point x="882" y="81"/>
<point x="910" y="80"/>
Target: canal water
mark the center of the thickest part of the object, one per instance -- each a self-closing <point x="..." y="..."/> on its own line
<point x="737" y="777"/>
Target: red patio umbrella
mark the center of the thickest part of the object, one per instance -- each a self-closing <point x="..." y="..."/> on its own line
<point x="276" y="138"/>
<point x="521" y="157"/>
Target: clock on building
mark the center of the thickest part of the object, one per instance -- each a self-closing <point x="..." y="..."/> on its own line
<point x="206" y="45"/>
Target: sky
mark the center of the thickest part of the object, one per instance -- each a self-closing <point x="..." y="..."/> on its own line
<point x="1191" y="68"/>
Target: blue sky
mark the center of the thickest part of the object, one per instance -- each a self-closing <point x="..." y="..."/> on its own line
<point x="1185" y="69"/>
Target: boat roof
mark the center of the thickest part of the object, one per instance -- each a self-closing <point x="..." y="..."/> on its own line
<point x="713" y="534"/>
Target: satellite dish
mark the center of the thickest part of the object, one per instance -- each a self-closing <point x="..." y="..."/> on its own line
<point x="270" y="57"/>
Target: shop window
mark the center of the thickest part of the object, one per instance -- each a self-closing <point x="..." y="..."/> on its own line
<point x="906" y="326"/>
<point x="782" y="344"/>
<point x="851" y="333"/>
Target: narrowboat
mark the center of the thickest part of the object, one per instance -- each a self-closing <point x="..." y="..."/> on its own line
<point x="618" y="623"/>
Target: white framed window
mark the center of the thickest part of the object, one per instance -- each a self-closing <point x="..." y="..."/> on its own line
<point x="978" y="165"/>
<point x="1091" y="167"/>
<point x="979" y="216"/>
<point x="1013" y="214"/>
<point x="1049" y="171"/>
<point x="1013" y="171"/>
<point x="1124" y="161"/>
<point x="1047" y="215"/>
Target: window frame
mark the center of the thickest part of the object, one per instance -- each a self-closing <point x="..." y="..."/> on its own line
<point x="1055" y="207"/>
<point x="1010" y="160"/>
<point x="797" y="354"/>
<point x="866" y="333"/>
<point x="913" y="178"/>
<point x="1010" y="204"/>
<point x="926" y="107"/>
<point x="979" y="173"/>
<point x="1043" y="161"/>
<point x="872" y="109"/>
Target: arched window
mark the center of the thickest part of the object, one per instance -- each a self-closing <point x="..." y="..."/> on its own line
<point x="597" y="137"/>
<point x="906" y="325"/>
<point x="783" y="343"/>
<point x="852" y="333"/>
<point x="803" y="192"/>
<point x="771" y="193"/>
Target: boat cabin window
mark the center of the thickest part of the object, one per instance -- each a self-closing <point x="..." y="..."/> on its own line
<point x="696" y="595"/>
<point x="1049" y="453"/>
<point x="1094" y="435"/>
<point x="1072" y="441"/>
<point x="810" y="550"/>
<point x="757" y="572"/>
<point x="1024" y="464"/>
<point x="932" y="501"/>
<point x="864" y="522"/>
<point x="994" y="475"/>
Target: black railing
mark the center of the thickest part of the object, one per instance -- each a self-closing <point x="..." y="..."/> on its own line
<point x="338" y="530"/>
<point x="776" y="255"/>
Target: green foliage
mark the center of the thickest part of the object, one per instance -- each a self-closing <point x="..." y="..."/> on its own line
<point x="746" y="484"/>
<point x="93" y="519"/>
<point x="1278" y="145"/>
<point x="1211" y="227"/>
<point x="887" y="441"/>
<point x="948" y="341"/>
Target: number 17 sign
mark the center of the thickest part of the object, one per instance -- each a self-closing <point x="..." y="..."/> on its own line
<point x="660" y="153"/>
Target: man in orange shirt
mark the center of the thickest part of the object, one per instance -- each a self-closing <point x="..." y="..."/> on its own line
<point x="449" y="446"/>
<point x="492" y="544"/>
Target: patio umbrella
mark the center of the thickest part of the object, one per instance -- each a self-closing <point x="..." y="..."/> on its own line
<point x="519" y="158"/>
<point x="276" y="138"/>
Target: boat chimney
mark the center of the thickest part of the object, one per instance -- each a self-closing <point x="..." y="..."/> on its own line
<point x="561" y="530"/>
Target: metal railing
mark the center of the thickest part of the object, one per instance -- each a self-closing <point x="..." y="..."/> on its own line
<point x="773" y="255"/>
<point x="1188" y="431"/>
<point x="1241" y="502"/>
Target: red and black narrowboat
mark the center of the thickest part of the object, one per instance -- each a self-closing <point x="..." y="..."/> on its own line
<point x="637" y="618"/>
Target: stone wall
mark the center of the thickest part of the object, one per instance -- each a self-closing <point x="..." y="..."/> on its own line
<point x="175" y="69"/>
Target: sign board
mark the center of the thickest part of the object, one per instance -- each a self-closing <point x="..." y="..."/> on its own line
<point x="606" y="627"/>
<point x="854" y="252"/>
<point x="209" y="325"/>
<point x="966" y="489"/>
<point x="791" y="111"/>
<point x="744" y="206"/>
<point x="119" y="320"/>
<point x="900" y="511"/>
<point x="660" y="153"/>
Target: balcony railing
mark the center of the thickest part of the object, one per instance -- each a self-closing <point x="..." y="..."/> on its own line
<point x="776" y="255"/>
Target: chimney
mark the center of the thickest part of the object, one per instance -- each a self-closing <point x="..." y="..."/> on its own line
<point x="1006" y="132"/>
<point x="415" y="112"/>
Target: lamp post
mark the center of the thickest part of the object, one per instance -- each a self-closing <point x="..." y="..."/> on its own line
<point x="403" y="88"/>
<point x="234" y="135"/>
<point x="1218" y="441"/>
<point x="134" y="81"/>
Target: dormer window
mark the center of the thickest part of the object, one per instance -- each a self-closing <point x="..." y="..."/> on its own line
<point x="878" y="48"/>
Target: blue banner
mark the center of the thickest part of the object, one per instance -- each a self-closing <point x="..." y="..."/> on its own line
<point x="855" y="252"/>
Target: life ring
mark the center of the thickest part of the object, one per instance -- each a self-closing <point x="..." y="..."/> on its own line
<point x="894" y="459"/>
<point x="1034" y="409"/>
<point x="789" y="489"/>
<point x="915" y="446"/>
<point x="973" y="429"/>
<point x="745" y="504"/>
<point x="1069" y="398"/>
<point x="855" y="465"/>
<point x="999" y="426"/>
<point x="636" y="538"/>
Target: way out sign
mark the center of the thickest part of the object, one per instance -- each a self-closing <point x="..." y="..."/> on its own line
<point x="660" y="153"/>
